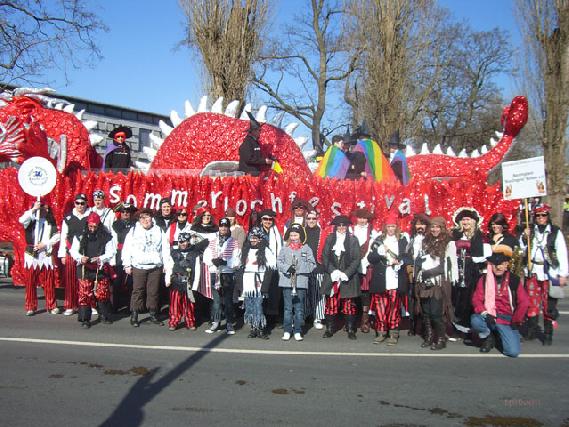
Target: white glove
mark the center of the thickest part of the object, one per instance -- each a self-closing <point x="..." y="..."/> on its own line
<point x="335" y="275"/>
<point x="343" y="277"/>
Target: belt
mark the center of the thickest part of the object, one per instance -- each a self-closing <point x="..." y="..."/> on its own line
<point x="538" y="262"/>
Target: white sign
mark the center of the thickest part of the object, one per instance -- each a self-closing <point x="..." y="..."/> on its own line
<point x="523" y="179"/>
<point x="37" y="176"/>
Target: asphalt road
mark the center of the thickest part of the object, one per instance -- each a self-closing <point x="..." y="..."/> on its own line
<point x="55" y="373"/>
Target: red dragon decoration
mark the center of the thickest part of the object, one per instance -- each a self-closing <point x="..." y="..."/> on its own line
<point x="440" y="183"/>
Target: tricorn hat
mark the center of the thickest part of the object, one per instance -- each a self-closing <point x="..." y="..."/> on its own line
<point x="341" y="220"/>
<point x="124" y="129"/>
<point x="465" y="212"/>
<point x="296" y="228"/>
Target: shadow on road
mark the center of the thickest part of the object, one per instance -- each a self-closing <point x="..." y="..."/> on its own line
<point x="130" y="411"/>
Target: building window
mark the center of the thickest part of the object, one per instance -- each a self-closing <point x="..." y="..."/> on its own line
<point x="144" y="138"/>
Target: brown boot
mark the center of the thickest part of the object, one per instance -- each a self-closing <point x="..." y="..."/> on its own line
<point x="427" y="332"/>
<point x="364" y="327"/>
<point x="393" y="338"/>
<point x="381" y="336"/>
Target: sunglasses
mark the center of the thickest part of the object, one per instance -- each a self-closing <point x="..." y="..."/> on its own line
<point x="267" y="219"/>
<point x="311" y="218"/>
<point x="80" y="203"/>
<point x="182" y="214"/>
<point x="541" y="215"/>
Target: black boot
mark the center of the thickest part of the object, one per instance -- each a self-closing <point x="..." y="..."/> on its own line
<point x="154" y="320"/>
<point x="440" y="331"/>
<point x="263" y="334"/>
<point x="427" y="332"/>
<point x="84" y="316"/>
<point x="351" y="321"/>
<point x="547" y="332"/>
<point x="105" y="312"/>
<point x="253" y="334"/>
<point x="411" y="331"/>
<point x="532" y="328"/>
<point x="329" y="326"/>
<point x="487" y="344"/>
<point x="134" y="319"/>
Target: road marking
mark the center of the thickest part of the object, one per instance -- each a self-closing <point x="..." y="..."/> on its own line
<point x="272" y="352"/>
<point x="564" y="312"/>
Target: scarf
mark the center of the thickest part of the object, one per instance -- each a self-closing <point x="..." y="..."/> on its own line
<point x="338" y="248"/>
<point x="490" y="291"/>
<point x="295" y="246"/>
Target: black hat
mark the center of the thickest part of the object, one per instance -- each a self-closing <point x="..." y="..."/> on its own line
<point x="164" y="201"/>
<point x="81" y="196"/>
<point x="99" y="194"/>
<point x="299" y="203"/>
<point x="422" y="218"/>
<point x="257" y="232"/>
<point x="500" y="253"/>
<point x="341" y="220"/>
<point x="395" y="141"/>
<point x="466" y="212"/>
<point x="267" y="212"/>
<point x="125" y="129"/>
<point x="126" y="207"/>
<point x="224" y="222"/>
<point x="296" y="228"/>
<point x="184" y="237"/>
<point x="254" y="124"/>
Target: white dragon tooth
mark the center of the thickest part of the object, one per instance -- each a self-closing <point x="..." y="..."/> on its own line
<point x="59" y="106"/>
<point x="3" y="103"/>
<point x="90" y="124"/>
<point x="278" y="119"/>
<point x="450" y="152"/>
<point x="23" y="91"/>
<point x="493" y="142"/>
<point x="409" y="152"/>
<point x="437" y="149"/>
<point x="475" y="154"/>
<point x="189" y="109"/>
<point x="95" y="139"/>
<point x="175" y="118"/>
<point x="425" y="148"/>
<point x="79" y="115"/>
<point x="499" y="134"/>
<point x="231" y="109"/>
<point x="202" y="107"/>
<point x="166" y="130"/>
<point x="301" y="141"/>
<point x="155" y="140"/>
<point x="69" y="108"/>
<point x="484" y="149"/>
<point x="143" y="166"/>
<point x="246" y="108"/>
<point x="290" y="128"/>
<point x="261" y="116"/>
<point x="313" y="166"/>
<point x="462" y="154"/>
<point x="308" y="154"/>
<point x="217" y="106"/>
<point x="150" y="152"/>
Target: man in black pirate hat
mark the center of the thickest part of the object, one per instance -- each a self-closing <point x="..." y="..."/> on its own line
<point x="251" y="160"/>
<point x="357" y="168"/>
<point x="117" y="154"/>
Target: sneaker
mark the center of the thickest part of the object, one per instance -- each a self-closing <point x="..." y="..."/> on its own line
<point x="94" y="311"/>
<point x="69" y="312"/>
<point x="230" y="329"/>
<point x="212" y="328"/>
<point x="298" y="337"/>
<point x="30" y="313"/>
<point x="318" y="324"/>
<point x="56" y="310"/>
<point x="171" y="328"/>
<point x="286" y="336"/>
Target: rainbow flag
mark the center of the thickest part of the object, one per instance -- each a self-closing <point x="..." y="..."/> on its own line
<point x="335" y="164"/>
<point x="399" y="157"/>
<point x="377" y="165"/>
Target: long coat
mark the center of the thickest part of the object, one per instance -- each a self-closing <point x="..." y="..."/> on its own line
<point x="379" y="266"/>
<point x="347" y="263"/>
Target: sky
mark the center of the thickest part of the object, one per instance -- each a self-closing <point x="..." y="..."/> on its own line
<point x="143" y="69"/>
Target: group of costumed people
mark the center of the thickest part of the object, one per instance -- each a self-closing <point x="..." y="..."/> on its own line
<point x="448" y="284"/>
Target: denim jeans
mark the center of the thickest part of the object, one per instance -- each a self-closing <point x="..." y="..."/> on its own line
<point x="510" y="337"/>
<point x="227" y="285"/>
<point x="295" y="303"/>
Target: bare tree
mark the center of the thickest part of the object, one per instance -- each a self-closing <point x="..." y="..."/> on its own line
<point x="545" y="25"/>
<point x="228" y="36"/>
<point x="297" y="73"/>
<point x="38" y="35"/>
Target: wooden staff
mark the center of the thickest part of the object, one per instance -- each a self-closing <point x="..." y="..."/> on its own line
<point x="529" y="236"/>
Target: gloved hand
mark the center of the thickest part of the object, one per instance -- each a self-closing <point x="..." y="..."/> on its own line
<point x="218" y="261"/>
<point x="335" y="275"/>
<point x="291" y="269"/>
<point x="343" y="277"/>
<point x="490" y="321"/>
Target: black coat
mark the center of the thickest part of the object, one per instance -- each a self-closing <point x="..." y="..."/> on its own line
<point x="251" y="160"/>
<point x="379" y="266"/>
<point x="348" y="264"/>
<point x="357" y="165"/>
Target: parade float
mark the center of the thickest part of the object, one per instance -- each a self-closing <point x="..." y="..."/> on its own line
<point x="34" y="124"/>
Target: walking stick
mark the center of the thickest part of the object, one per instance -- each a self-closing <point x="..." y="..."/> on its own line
<point x="528" y="237"/>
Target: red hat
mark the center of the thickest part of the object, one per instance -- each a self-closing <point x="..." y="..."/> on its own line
<point x="392" y="218"/>
<point x="542" y="208"/>
<point x="94" y="218"/>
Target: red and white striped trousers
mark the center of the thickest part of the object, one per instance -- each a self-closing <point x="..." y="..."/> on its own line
<point x="44" y="277"/>
<point x="387" y="308"/>
<point x="181" y="306"/>
<point x="88" y="295"/>
<point x="538" y="292"/>
<point x="336" y="302"/>
<point x="71" y="301"/>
